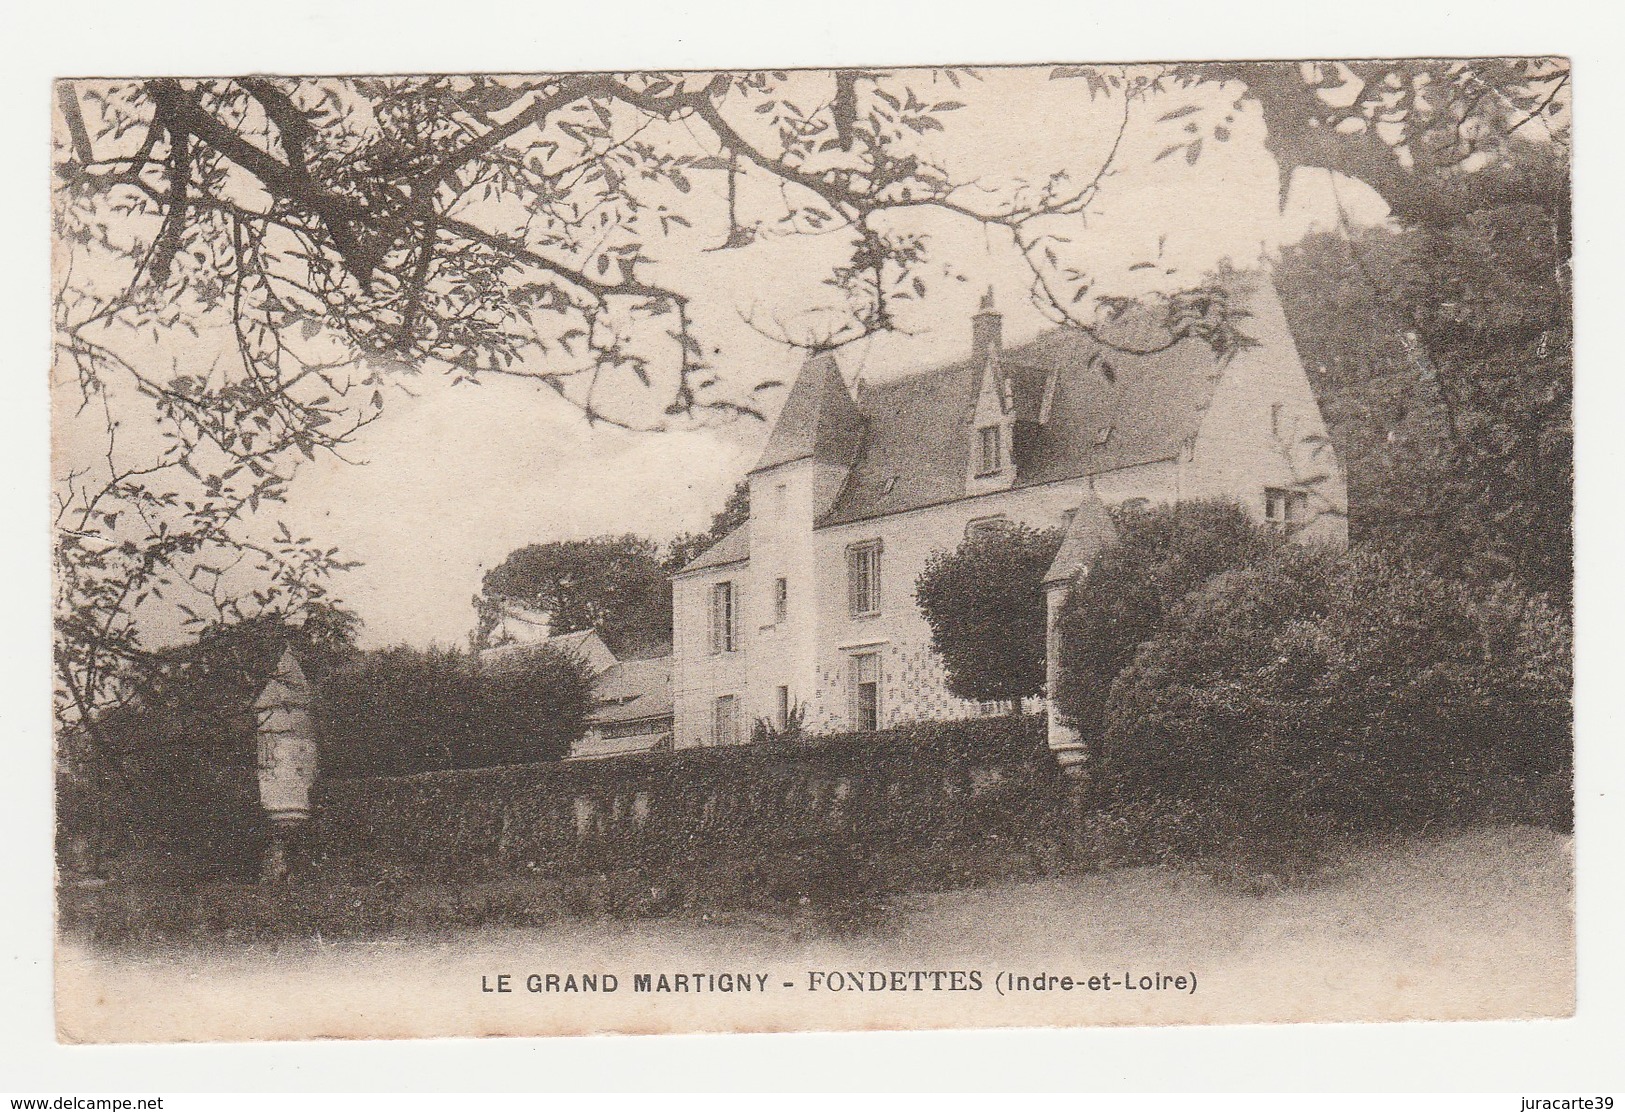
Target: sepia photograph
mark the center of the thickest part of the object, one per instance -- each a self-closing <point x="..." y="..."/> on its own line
<point x="780" y="550"/>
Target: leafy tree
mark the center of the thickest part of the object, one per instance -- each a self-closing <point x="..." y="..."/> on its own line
<point x="531" y="704"/>
<point x="1471" y="300"/>
<point x="985" y="605"/>
<point x="1160" y="556"/>
<point x="685" y="547"/>
<point x="615" y="585"/>
<point x="618" y="586"/>
<point x="1419" y="131"/>
<point x="1443" y="358"/>
<point x="401" y="711"/>
<point x="397" y="711"/>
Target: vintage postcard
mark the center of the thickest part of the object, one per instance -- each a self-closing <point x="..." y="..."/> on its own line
<point x="850" y="549"/>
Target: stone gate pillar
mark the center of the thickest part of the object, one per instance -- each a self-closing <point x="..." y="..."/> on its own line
<point x="1071" y="752"/>
<point x="1089" y="529"/>
<point x="287" y="759"/>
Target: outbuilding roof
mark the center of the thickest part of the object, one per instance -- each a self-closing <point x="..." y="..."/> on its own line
<point x="632" y="690"/>
<point x="731" y="549"/>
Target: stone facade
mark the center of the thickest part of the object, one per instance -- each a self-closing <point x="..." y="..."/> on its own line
<point x="811" y="604"/>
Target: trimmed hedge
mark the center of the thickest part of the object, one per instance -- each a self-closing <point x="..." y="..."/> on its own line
<point x="929" y="783"/>
<point x="831" y="828"/>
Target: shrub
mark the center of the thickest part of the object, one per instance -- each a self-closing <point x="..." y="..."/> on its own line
<point x="396" y="711"/>
<point x="402" y="711"/>
<point x="985" y="605"/>
<point x="1316" y="690"/>
<point x="530" y="704"/>
<point x="792" y="731"/>
<point x="1161" y="555"/>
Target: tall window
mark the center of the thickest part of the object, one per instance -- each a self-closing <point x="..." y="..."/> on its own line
<point x="782" y="711"/>
<point x="1287" y="510"/>
<point x="864" y="690"/>
<point x="724" y="619"/>
<point x="863" y="578"/>
<point x="781" y="500"/>
<point x="992" y="450"/>
<point x="725" y="721"/>
<point x="1275" y="419"/>
<point x="781" y="600"/>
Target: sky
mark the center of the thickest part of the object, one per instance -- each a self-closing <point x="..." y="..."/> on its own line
<point x="452" y="478"/>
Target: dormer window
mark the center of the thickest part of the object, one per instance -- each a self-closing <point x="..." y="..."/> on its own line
<point x="1103" y="437"/>
<point x="992" y="446"/>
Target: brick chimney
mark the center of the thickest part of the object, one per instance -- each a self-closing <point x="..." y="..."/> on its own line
<point x="987" y="329"/>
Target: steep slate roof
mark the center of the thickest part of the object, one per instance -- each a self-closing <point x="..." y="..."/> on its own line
<point x="1089" y="531"/>
<point x="908" y="440"/>
<point x="917" y="441"/>
<point x="632" y="690"/>
<point x="819" y="419"/>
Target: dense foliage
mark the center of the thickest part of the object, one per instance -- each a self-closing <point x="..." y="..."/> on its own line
<point x="614" y="585"/>
<point x="1442" y="357"/>
<point x="402" y="710"/>
<point x="531" y="703"/>
<point x="985" y="605"/>
<point x="395" y="711"/>
<point x="1160" y="556"/>
<point x="1352" y="690"/>
<point x="176" y="768"/>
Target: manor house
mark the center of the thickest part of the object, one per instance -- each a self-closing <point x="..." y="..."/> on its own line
<point x="810" y="604"/>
